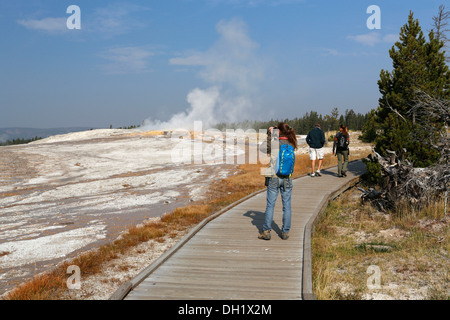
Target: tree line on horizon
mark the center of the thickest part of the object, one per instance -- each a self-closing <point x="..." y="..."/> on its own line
<point x="302" y="125"/>
<point x="19" y="141"/>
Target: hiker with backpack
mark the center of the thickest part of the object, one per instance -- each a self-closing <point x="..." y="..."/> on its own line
<point x="341" y="150"/>
<point x="316" y="139"/>
<point x="283" y="143"/>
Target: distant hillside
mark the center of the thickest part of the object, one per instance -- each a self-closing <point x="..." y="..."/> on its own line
<point x="28" y="133"/>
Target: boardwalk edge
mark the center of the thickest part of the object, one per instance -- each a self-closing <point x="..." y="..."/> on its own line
<point x="307" y="291"/>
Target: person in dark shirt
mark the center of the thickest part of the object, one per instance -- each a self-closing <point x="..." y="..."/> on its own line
<point x="340" y="148"/>
<point x="316" y="139"/>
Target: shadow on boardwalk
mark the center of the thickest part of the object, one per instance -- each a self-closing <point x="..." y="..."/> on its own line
<point x="258" y="221"/>
<point x="354" y="169"/>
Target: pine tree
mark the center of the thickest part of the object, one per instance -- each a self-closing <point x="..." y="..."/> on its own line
<point x="334" y="118"/>
<point x="418" y="66"/>
<point x="369" y="128"/>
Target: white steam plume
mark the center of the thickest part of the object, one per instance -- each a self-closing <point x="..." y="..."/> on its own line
<point x="234" y="71"/>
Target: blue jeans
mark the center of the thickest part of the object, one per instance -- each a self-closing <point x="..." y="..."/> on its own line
<point x="285" y="187"/>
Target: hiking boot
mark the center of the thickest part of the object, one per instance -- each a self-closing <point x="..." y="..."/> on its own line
<point x="344" y="173"/>
<point x="318" y="173"/>
<point x="265" y="235"/>
<point x="284" y="235"/>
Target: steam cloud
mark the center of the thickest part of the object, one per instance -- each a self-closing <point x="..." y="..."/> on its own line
<point x="232" y="68"/>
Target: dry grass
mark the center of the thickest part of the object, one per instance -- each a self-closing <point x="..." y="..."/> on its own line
<point x="52" y="285"/>
<point x="42" y="287"/>
<point x="184" y="217"/>
<point x="410" y="249"/>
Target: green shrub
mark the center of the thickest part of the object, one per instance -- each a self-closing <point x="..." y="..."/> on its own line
<point x="373" y="171"/>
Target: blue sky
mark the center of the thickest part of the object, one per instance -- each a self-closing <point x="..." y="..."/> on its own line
<point x="165" y="62"/>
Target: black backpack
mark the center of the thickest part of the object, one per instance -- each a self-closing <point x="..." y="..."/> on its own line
<point x="342" y="142"/>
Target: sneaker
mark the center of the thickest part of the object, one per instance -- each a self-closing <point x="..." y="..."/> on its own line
<point x="313" y="174"/>
<point x="318" y="173"/>
<point x="284" y="235"/>
<point x="265" y="235"/>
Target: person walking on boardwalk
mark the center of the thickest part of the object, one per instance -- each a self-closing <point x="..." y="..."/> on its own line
<point x="283" y="142"/>
<point x="316" y="139"/>
<point x="340" y="148"/>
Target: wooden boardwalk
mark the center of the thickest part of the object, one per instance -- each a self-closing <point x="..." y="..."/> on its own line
<point x="224" y="259"/>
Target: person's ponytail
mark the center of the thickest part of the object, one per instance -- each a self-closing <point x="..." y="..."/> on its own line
<point x="344" y="129"/>
<point x="288" y="132"/>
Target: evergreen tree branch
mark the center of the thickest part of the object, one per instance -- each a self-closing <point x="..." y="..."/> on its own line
<point x="395" y="111"/>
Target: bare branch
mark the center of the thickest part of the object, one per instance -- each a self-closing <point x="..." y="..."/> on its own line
<point x="440" y="24"/>
<point x="395" y="111"/>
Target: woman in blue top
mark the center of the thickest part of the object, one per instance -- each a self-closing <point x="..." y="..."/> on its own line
<point x="282" y="134"/>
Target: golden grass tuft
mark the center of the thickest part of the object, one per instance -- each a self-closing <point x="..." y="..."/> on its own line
<point x="186" y="216"/>
<point x="42" y="287"/>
